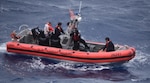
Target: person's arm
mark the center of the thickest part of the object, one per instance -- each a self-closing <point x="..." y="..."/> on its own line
<point x="56" y="31"/>
<point x="62" y="31"/>
<point x="104" y="48"/>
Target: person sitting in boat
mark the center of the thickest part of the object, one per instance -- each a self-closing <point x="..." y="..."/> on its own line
<point x="14" y="36"/>
<point x="59" y="30"/>
<point x="39" y="37"/>
<point x="35" y="34"/>
<point x="48" y="29"/>
<point x="43" y="40"/>
<point x="55" y="37"/>
<point x="109" y="46"/>
<point x="77" y="40"/>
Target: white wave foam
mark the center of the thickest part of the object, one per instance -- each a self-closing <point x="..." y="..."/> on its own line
<point x="37" y="64"/>
<point x="3" y="47"/>
<point x="80" y="67"/>
<point x="140" y="79"/>
<point x="141" y="59"/>
<point x="3" y="9"/>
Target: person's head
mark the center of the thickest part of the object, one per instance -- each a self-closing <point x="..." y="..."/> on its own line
<point x="107" y="39"/>
<point x="59" y="23"/>
<point x="76" y="20"/>
<point x="48" y="22"/>
<point x="76" y="30"/>
<point x="68" y="23"/>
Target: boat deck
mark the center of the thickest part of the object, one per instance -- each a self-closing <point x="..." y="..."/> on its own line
<point x="65" y="42"/>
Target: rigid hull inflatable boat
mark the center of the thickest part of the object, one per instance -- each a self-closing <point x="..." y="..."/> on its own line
<point x="72" y="55"/>
<point x="26" y="45"/>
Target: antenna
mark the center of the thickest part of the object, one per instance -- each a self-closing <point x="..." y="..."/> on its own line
<point x="80" y="7"/>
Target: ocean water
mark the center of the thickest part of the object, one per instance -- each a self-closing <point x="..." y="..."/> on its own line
<point x="126" y="22"/>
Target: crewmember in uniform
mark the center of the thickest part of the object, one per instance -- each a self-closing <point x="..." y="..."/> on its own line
<point x="109" y="46"/>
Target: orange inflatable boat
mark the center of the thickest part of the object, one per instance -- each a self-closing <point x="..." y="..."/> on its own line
<point x="27" y="45"/>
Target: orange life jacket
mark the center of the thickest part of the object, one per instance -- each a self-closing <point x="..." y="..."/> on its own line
<point x="50" y="28"/>
<point x="76" y="37"/>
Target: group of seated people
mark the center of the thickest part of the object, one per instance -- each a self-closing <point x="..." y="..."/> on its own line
<point x="50" y="36"/>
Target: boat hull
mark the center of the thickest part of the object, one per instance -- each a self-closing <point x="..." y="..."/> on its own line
<point x="71" y="55"/>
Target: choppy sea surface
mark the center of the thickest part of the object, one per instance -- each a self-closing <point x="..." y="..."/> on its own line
<point x="126" y="22"/>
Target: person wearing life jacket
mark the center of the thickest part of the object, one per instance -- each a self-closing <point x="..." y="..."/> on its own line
<point x="59" y="30"/>
<point x="109" y="46"/>
<point x="48" y="29"/>
<point x="77" y="40"/>
<point x="55" y="37"/>
<point x="14" y="36"/>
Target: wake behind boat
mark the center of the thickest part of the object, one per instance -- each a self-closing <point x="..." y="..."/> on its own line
<point x="28" y="42"/>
